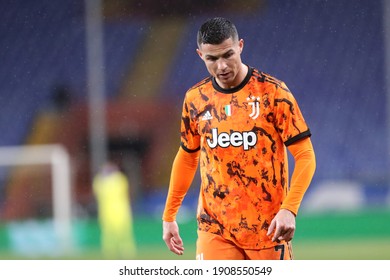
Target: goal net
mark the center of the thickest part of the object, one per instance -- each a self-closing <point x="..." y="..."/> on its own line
<point x="57" y="158"/>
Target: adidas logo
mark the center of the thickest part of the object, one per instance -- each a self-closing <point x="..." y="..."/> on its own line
<point x="207" y="116"/>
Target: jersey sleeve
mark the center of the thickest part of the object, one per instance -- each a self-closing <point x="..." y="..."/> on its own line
<point x="288" y="117"/>
<point x="183" y="172"/>
<point x="305" y="165"/>
<point x="190" y="138"/>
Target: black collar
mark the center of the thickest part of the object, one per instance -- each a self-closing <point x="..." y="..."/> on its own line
<point x="234" y="89"/>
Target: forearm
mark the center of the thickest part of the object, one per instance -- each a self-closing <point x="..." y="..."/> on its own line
<point x="305" y="165"/>
<point x="183" y="171"/>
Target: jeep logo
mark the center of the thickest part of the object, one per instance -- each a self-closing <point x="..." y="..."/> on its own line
<point x="246" y="139"/>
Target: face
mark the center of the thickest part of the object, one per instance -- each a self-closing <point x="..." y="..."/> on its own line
<point x="223" y="62"/>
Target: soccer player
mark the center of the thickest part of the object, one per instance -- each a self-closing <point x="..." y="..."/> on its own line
<point x="111" y="189"/>
<point x="236" y="125"/>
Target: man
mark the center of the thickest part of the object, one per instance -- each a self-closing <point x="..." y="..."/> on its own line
<point x="111" y="189"/>
<point x="236" y="125"/>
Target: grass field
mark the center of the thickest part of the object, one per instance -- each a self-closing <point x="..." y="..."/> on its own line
<point x="358" y="249"/>
<point x="361" y="235"/>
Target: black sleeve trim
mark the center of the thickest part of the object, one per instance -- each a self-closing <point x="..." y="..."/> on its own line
<point x="300" y="136"/>
<point x="189" y="150"/>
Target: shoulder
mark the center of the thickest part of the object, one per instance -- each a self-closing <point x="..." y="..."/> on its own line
<point x="269" y="80"/>
<point x="203" y="82"/>
<point x="199" y="89"/>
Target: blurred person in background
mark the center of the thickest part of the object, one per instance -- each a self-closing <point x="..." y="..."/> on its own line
<point x="111" y="189"/>
<point x="237" y="125"/>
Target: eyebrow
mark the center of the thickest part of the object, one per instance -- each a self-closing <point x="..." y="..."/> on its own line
<point x="214" y="57"/>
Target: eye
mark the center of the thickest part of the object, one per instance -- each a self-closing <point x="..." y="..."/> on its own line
<point x="211" y="58"/>
<point x="229" y="54"/>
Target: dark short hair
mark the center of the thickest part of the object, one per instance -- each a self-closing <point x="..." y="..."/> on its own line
<point x="216" y="30"/>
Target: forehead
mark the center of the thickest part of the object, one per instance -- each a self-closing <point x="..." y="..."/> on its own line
<point x="217" y="50"/>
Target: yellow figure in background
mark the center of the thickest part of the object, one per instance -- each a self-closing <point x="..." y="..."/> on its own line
<point x="111" y="189"/>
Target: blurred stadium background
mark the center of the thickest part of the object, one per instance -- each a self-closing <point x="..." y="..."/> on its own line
<point x="334" y="56"/>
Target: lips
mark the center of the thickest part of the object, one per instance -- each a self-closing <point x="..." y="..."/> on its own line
<point x="223" y="75"/>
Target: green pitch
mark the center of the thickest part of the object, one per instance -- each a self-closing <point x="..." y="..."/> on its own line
<point x="363" y="235"/>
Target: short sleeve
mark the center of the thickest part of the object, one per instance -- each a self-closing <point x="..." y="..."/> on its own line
<point x="190" y="138"/>
<point x="289" y="120"/>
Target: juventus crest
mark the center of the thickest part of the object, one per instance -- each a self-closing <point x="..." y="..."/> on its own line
<point x="255" y="103"/>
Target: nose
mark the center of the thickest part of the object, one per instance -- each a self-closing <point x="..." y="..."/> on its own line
<point x="221" y="64"/>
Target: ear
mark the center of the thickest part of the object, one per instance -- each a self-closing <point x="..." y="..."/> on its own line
<point x="199" y="52"/>
<point x="241" y="44"/>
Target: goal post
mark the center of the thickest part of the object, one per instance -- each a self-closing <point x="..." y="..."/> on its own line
<point x="57" y="157"/>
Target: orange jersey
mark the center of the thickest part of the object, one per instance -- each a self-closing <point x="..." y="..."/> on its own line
<point x="241" y="134"/>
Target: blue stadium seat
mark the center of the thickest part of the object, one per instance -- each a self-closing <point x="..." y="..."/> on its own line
<point x="43" y="45"/>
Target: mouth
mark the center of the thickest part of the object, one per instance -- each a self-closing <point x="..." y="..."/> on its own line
<point x="224" y="76"/>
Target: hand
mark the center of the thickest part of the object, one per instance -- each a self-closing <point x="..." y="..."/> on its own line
<point x="284" y="226"/>
<point x="172" y="238"/>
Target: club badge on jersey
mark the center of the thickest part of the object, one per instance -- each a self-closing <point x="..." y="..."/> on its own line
<point x="255" y="106"/>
